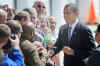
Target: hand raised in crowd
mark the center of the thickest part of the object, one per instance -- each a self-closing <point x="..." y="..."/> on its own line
<point x="68" y="50"/>
<point x="15" y="43"/>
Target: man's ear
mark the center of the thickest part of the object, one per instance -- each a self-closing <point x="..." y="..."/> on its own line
<point x="22" y="21"/>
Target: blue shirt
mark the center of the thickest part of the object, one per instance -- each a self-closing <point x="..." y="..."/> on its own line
<point x="14" y="59"/>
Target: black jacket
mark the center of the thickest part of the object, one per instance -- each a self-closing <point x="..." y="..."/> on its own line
<point x="94" y="59"/>
<point x="81" y="42"/>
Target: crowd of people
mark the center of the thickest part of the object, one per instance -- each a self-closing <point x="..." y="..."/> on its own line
<point x="29" y="38"/>
<point x="26" y="36"/>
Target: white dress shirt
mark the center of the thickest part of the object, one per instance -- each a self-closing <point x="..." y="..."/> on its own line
<point x="73" y="26"/>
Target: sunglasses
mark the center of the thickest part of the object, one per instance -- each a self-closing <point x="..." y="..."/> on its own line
<point x="40" y="6"/>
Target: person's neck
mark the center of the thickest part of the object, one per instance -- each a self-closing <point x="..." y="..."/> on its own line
<point x="71" y="23"/>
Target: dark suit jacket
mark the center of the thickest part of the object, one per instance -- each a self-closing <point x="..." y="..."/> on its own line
<point x="94" y="59"/>
<point x="81" y="42"/>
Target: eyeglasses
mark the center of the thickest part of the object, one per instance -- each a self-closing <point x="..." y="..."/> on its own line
<point x="40" y="6"/>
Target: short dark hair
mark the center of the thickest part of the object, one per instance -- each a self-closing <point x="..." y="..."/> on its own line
<point x="21" y="15"/>
<point x="72" y="6"/>
<point x="98" y="28"/>
<point x="5" y="32"/>
<point x="15" y="26"/>
<point x="27" y="28"/>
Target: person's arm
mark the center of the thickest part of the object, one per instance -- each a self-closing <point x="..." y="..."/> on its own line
<point x="87" y="42"/>
<point x="16" y="55"/>
<point x="59" y="43"/>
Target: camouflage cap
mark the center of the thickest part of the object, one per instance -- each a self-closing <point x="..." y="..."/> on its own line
<point x="4" y="31"/>
<point x="15" y="26"/>
<point x="28" y="27"/>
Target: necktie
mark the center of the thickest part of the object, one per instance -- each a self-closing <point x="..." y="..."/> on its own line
<point x="69" y="33"/>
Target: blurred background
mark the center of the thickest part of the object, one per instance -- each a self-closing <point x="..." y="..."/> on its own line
<point x="55" y="7"/>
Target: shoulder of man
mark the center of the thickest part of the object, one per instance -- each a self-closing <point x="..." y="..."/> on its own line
<point x="27" y="45"/>
<point x="62" y="28"/>
<point x="29" y="50"/>
<point x="84" y="27"/>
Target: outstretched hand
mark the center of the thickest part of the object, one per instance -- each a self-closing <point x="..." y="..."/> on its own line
<point x="68" y="51"/>
<point x="50" y="53"/>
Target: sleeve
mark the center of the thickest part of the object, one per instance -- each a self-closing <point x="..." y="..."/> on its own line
<point x="58" y="45"/>
<point x="94" y="59"/>
<point x="88" y="44"/>
<point x="90" y="39"/>
<point x="17" y="57"/>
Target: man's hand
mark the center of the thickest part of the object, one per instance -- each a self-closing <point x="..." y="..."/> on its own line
<point x="50" y="53"/>
<point x="68" y="50"/>
<point x="15" y="43"/>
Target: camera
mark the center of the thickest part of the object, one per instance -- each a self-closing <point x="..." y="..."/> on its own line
<point x="13" y="36"/>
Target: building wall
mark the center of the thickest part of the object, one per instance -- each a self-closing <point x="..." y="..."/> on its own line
<point x="21" y="4"/>
<point x="84" y="10"/>
<point x="84" y="6"/>
<point x="10" y="2"/>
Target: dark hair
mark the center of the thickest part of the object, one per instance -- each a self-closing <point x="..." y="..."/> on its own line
<point x="73" y="7"/>
<point x="98" y="28"/>
<point x="21" y="15"/>
<point x="15" y="26"/>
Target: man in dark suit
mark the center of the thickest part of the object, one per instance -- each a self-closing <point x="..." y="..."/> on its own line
<point x="77" y="43"/>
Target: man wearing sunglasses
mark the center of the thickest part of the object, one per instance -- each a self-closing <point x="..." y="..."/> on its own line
<point x="40" y="7"/>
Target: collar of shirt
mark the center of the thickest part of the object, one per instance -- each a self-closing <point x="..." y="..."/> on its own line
<point x="73" y="25"/>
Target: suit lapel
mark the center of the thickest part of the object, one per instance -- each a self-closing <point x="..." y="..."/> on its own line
<point x="75" y="31"/>
<point x="65" y="34"/>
